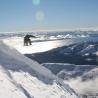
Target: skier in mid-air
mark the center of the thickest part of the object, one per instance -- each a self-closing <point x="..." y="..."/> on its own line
<point x="27" y="40"/>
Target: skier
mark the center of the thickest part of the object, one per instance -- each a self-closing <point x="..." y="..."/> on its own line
<point x="27" y="40"/>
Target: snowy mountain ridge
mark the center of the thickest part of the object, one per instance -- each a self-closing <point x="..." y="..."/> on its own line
<point x="85" y="76"/>
<point x="24" y="78"/>
<point x="69" y="71"/>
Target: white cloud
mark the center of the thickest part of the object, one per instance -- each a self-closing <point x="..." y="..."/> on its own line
<point x="84" y="87"/>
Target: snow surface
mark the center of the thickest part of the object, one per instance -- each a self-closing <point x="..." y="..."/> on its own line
<point x="42" y="45"/>
<point x="21" y="77"/>
<point x="37" y="46"/>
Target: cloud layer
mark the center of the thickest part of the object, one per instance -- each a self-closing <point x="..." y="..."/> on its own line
<point x="84" y="87"/>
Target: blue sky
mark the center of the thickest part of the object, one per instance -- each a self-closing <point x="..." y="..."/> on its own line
<point x="30" y="15"/>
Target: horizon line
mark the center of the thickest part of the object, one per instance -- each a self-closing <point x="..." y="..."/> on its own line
<point x="52" y="30"/>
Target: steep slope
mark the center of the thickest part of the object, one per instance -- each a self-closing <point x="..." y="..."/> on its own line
<point x="23" y="78"/>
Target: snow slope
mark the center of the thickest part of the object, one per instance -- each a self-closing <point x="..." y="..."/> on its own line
<point x="21" y="77"/>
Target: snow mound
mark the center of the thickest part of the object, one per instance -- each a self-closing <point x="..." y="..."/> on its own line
<point x="24" y="78"/>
